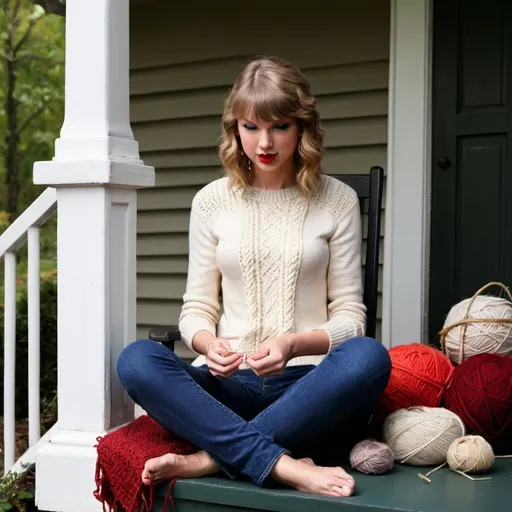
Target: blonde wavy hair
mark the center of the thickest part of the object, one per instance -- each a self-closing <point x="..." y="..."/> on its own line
<point x="270" y="89"/>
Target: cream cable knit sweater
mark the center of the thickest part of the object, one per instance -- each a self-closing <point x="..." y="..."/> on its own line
<point x="282" y="264"/>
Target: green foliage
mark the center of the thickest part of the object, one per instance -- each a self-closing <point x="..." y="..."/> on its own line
<point x="4" y="221"/>
<point x="39" y="90"/>
<point x="15" y="491"/>
<point x="31" y="58"/>
<point x="47" y="252"/>
<point x="48" y="347"/>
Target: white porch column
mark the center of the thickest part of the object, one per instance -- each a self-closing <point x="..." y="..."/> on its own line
<point x="406" y="244"/>
<point x="96" y="171"/>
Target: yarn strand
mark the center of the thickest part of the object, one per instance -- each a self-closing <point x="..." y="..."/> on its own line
<point x="457" y="461"/>
<point x="426" y="443"/>
<point x="472" y="477"/>
<point x="426" y="478"/>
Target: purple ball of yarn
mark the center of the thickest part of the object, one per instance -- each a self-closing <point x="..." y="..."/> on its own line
<point x="371" y="457"/>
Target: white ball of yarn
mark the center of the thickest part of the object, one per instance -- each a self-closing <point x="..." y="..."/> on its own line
<point x="421" y="436"/>
<point x="470" y="454"/>
<point x="479" y="338"/>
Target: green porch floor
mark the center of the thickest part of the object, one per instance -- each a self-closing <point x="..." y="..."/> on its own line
<point x="399" y="490"/>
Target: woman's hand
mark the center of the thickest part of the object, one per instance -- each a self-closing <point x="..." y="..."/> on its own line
<point x="220" y="360"/>
<point x="271" y="357"/>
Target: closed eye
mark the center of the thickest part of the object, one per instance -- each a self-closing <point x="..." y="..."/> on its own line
<point x="249" y="126"/>
<point x="282" y="127"/>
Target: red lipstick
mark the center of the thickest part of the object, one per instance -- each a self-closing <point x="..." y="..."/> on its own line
<point x="267" y="158"/>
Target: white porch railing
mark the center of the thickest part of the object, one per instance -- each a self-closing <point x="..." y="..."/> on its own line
<point x="24" y="229"/>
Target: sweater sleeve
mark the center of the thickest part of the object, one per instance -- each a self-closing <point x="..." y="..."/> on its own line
<point x="200" y="310"/>
<point x="346" y="310"/>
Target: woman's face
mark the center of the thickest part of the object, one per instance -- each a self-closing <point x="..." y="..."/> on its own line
<point x="271" y="146"/>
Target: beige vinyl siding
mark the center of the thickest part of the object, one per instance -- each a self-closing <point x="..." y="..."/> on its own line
<point x="183" y="61"/>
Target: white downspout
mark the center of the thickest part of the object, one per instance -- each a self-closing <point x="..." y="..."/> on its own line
<point x="407" y="229"/>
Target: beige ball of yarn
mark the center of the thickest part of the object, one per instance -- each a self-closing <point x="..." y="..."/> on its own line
<point x="470" y="454"/>
<point x="421" y="436"/>
<point x="478" y="337"/>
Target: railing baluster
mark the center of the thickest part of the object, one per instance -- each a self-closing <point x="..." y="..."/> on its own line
<point x="24" y="228"/>
<point x="9" y="359"/>
<point x="34" y="322"/>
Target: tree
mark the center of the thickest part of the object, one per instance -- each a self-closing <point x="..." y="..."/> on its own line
<point x="54" y="6"/>
<point x="31" y="95"/>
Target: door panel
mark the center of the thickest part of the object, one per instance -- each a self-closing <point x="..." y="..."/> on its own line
<point x="471" y="216"/>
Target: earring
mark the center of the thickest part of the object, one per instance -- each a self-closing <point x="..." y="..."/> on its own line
<point x="249" y="163"/>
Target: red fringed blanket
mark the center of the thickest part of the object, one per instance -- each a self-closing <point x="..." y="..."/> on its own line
<point x="121" y="458"/>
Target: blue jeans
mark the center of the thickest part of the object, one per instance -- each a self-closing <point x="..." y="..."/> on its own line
<point x="247" y="422"/>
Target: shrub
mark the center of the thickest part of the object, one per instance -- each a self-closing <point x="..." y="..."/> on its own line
<point x="16" y="491"/>
<point x="48" y="346"/>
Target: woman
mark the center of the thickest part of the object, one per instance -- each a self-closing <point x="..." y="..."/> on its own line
<point x="285" y="359"/>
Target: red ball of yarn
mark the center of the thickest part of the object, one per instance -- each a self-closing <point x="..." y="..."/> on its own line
<point x="419" y="376"/>
<point x="481" y="395"/>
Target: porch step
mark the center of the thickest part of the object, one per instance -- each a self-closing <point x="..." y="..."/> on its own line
<point x="400" y="490"/>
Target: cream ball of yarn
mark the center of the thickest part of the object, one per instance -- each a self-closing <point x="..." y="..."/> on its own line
<point x="371" y="457"/>
<point x="470" y="454"/>
<point x="421" y="435"/>
<point x="489" y="338"/>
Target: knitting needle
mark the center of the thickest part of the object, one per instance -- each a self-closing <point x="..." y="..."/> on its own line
<point x="424" y="478"/>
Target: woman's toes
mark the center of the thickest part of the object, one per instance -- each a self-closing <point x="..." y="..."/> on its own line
<point x="146" y="477"/>
<point x="343" y="483"/>
<point x="339" y="491"/>
<point x="343" y="474"/>
<point x="153" y="468"/>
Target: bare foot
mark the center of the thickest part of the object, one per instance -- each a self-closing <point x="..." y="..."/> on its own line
<point x="307" y="477"/>
<point x="171" y="465"/>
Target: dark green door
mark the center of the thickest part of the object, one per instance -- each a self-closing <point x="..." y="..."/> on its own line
<point x="471" y="216"/>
